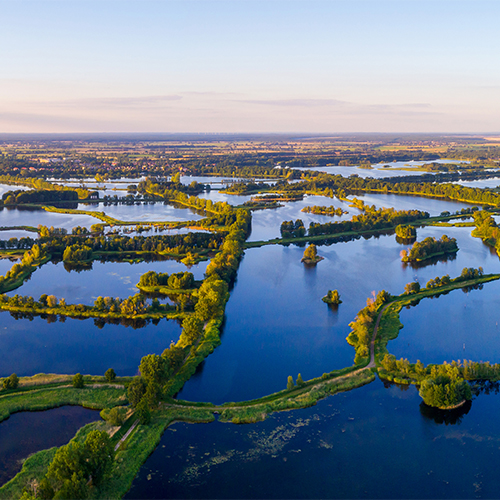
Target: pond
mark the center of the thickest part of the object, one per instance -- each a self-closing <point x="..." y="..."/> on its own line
<point x="105" y="279"/>
<point x="25" y="433"/>
<point x="17" y="233"/>
<point x="396" y="169"/>
<point x="72" y="346"/>
<point x="156" y="212"/>
<point x="276" y="324"/>
<point x="29" y="217"/>
<point x="451" y="327"/>
<point x="266" y="223"/>
<point x="372" y="442"/>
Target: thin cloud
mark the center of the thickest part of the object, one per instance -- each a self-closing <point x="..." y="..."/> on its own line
<point x="295" y="102"/>
<point x="113" y="102"/>
<point x="345" y="106"/>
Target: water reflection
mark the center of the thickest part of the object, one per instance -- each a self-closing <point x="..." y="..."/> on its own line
<point x="447" y="417"/>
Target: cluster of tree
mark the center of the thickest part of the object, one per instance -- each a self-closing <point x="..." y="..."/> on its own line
<point x="332" y="297"/>
<point x="323" y="210"/>
<point x="444" y="392"/>
<point x="42" y="196"/>
<point x="245" y="187"/>
<point x="361" y="334"/>
<point x="76" y="470"/>
<point x="128" y="307"/>
<point x="429" y="247"/>
<point x="384" y="218"/>
<point x="441" y="386"/>
<point x="31" y="259"/>
<point x="406" y="232"/>
<point x="290" y="229"/>
<point x="225" y="264"/>
<point x="11" y="382"/>
<point x="487" y="229"/>
<point x="468" y="273"/>
<point x="311" y="255"/>
<point x="165" y="189"/>
<point x="17" y="244"/>
<point x="77" y="253"/>
<point x="177" y="244"/>
<point x="176" y="281"/>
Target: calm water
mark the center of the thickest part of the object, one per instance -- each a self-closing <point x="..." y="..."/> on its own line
<point x="25" y="433"/>
<point x="493" y="182"/>
<point x="266" y="223"/>
<point x="378" y="171"/>
<point x="73" y="345"/>
<point x="17" y="233"/>
<point x="276" y="324"/>
<point x="17" y="217"/>
<point x="433" y="206"/>
<point x="106" y="279"/>
<point x="156" y="212"/>
<point x="451" y="327"/>
<point x="5" y="265"/>
<point x="371" y="442"/>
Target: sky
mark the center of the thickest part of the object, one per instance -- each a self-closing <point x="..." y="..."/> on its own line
<point x="246" y="66"/>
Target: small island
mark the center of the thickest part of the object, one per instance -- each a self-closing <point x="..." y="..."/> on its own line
<point x="428" y="248"/>
<point x="311" y="256"/>
<point x="406" y="233"/>
<point x="323" y="210"/>
<point x="332" y="298"/>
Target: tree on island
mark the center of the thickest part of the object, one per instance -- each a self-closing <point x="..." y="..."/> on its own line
<point x="445" y="392"/>
<point x="311" y="255"/>
<point x="332" y="297"/>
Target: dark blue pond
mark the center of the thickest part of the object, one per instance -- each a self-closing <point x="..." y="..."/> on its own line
<point x="371" y="442"/>
<point x="105" y="279"/>
<point x="42" y="346"/>
<point x="460" y="325"/>
<point x="276" y="324"/>
<point x="25" y="433"/>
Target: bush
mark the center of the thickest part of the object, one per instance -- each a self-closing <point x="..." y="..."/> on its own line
<point x="110" y="375"/>
<point x="78" y="381"/>
<point x="11" y="382"/>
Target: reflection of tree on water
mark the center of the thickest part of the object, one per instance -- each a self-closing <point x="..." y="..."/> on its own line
<point x="432" y="261"/>
<point x="447" y="417"/>
<point x="405" y="241"/>
<point x="402" y="387"/>
<point x="484" y="387"/>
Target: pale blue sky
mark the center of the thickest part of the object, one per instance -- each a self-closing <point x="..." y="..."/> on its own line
<point x="249" y="66"/>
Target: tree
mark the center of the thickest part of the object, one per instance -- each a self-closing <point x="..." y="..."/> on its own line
<point x="154" y="368"/>
<point x="11" y="382"/>
<point x="311" y="252"/>
<point x="78" y="381"/>
<point x="135" y="391"/>
<point x="99" y="453"/>
<point x="192" y="326"/>
<point x="110" y="375"/>
<point x="332" y="297"/>
<point x="142" y="412"/>
<point x="299" y="380"/>
<point x="290" y="385"/>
